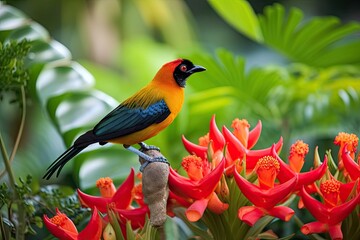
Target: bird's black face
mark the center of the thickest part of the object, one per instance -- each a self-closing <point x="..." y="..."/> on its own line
<point x="184" y="70"/>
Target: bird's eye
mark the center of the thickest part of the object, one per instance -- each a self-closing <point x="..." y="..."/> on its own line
<point x="183" y="68"/>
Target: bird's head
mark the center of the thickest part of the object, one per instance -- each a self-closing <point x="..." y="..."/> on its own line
<point x="178" y="70"/>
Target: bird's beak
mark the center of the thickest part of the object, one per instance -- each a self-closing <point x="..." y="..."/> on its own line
<point x="195" y="69"/>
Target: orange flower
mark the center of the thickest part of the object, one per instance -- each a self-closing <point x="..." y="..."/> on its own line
<point x="267" y="168"/>
<point x="351" y="142"/>
<point x="106" y="187"/>
<point x="298" y="151"/>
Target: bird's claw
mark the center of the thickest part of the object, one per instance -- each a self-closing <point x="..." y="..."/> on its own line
<point x="144" y="147"/>
<point x="151" y="160"/>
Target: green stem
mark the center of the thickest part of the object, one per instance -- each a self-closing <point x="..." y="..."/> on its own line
<point x="21" y="128"/>
<point x="20" y="230"/>
<point x="7" y="163"/>
<point x="22" y="124"/>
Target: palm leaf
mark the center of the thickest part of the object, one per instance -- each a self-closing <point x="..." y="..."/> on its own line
<point x="317" y="42"/>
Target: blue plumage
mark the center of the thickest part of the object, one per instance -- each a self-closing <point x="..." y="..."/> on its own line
<point x="124" y="120"/>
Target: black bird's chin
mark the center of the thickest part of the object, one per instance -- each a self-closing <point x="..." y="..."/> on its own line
<point x="181" y="83"/>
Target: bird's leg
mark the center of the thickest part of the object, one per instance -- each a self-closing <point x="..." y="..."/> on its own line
<point x="144" y="156"/>
<point x="144" y="147"/>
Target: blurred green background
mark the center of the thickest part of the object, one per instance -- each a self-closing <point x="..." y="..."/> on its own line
<point x="295" y="83"/>
<point x="294" y="65"/>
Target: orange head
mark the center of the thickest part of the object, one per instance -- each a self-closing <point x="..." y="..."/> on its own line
<point x="177" y="71"/>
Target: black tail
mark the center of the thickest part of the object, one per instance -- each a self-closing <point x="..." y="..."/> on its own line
<point x="60" y="162"/>
<point x="82" y="142"/>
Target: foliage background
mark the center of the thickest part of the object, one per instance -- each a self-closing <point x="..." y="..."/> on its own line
<point x="250" y="75"/>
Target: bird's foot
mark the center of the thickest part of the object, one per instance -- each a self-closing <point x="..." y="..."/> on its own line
<point x="144" y="147"/>
<point x="146" y="159"/>
<point x="151" y="160"/>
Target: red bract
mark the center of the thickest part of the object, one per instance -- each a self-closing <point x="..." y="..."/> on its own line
<point x="238" y="144"/>
<point x="264" y="199"/>
<point x="304" y="178"/>
<point x="199" y="190"/>
<point x="120" y="201"/>
<point x="350" y="165"/>
<point x="63" y="228"/>
<point x="329" y="217"/>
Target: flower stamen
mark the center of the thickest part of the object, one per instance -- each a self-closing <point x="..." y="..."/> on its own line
<point x="298" y="151"/>
<point x="267" y="169"/>
<point x="241" y="130"/>
<point x="106" y="187"/>
<point x="193" y="165"/>
<point x="330" y="189"/>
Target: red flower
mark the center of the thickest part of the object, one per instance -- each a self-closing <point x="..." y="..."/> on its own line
<point x="304" y="178"/>
<point x="238" y="144"/>
<point x="199" y="188"/>
<point x="266" y="196"/>
<point x="350" y="165"/>
<point x="63" y="228"/>
<point x="119" y="201"/>
<point x="346" y="141"/>
<point x="330" y="214"/>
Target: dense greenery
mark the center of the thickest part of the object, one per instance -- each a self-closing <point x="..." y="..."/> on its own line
<point x="47" y="98"/>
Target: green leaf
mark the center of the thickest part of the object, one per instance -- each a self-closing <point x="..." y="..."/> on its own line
<point x="112" y="161"/>
<point x="32" y="31"/>
<point x="321" y="41"/>
<point x="245" y="20"/>
<point x="59" y="79"/>
<point x="11" y="18"/>
<point x="65" y="110"/>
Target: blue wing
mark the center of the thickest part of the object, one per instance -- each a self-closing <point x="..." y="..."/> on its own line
<point x="124" y="120"/>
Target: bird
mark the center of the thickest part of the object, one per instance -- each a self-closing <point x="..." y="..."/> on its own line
<point x="139" y="117"/>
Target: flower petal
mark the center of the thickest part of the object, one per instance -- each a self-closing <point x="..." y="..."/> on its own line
<point x="195" y="189"/>
<point x="254" y="135"/>
<point x="264" y="198"/>
<point x="93" y="230"/>
<point x="216" y="205"/>
<point x="282" y="212"/>
<point x="94" y="201"/>
<point x="218" y="141"/>
<point x="314" y="227"/>
<point x="123" y="195"/>
<point x="351" y="167"/>
<point x="235" y="148"/>
<point x="193" y="148"/>
<point x="250" y="214"/>
<point x="196" y="210"/>
<point x="65" y="230"/>
<point x="336" y="232"/>
<point x="136" y="216"/>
